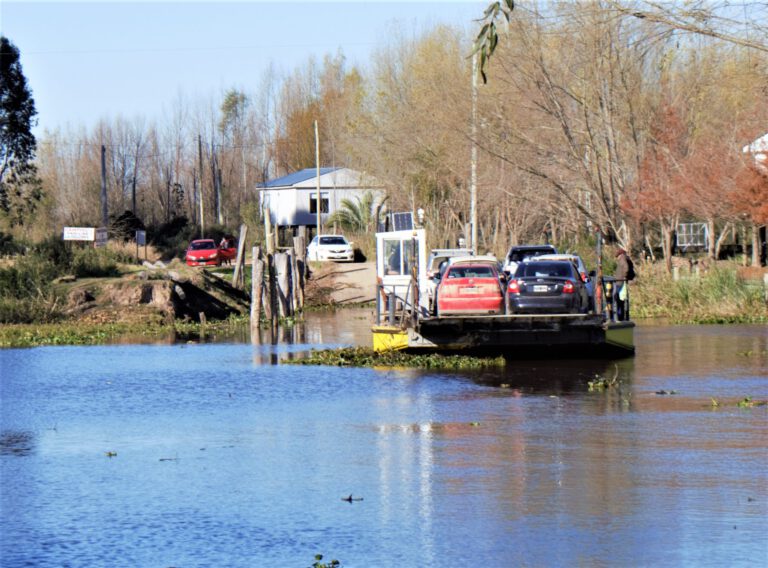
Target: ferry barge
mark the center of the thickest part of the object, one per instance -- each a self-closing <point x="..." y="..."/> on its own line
<point x="404" y="319"/>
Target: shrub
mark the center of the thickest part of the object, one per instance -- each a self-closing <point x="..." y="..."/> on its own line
<point x="94" y="262"/>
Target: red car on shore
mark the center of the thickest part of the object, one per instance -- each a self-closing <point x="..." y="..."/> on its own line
<point x="205" y="252"/>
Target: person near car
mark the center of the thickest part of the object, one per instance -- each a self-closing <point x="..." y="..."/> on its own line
<point x="620" y="290"/>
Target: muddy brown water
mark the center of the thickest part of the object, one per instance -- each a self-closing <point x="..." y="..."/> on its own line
<point x="218" y="454"/>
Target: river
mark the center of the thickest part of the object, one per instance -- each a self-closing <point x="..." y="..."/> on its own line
<point x="218" y="454"/>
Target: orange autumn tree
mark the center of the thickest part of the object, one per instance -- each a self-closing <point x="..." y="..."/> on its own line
<point x="706" y="181"/>
<point x="750" y="195"/>
<point x="658" y="197"/>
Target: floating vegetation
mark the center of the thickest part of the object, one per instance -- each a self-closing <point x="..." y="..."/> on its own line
<point x="367" y="357"/>
<point x="747" y="402"/>
<point x="318" y="563"/>
<point x="604" y="383"/>
<point x="751" y="353"/>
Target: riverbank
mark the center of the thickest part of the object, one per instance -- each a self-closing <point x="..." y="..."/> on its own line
<point x="723" y="293"/>
<point x="176" y="303"/>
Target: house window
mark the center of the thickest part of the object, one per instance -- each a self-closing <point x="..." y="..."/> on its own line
<point x="691" y="235"/>
<point x="323" y="203"/>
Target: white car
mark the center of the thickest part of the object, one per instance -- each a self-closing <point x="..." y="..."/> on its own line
<point x="330" y="247"/>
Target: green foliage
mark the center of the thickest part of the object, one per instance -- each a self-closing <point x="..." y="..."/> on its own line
<point x="356" y="216"/>
<point x="600" y="384"/>
<point x="318" y="563"/>
<point x="8" y="246"/>
<point x="366" y="357"/>
<point x="26" y="287"/>
<point x="125" y="225"/>
<point x="487" y="39"/>
<point x="20" y="188"/>
<point x="94" y="263"/>
<point x="718" y="296"/>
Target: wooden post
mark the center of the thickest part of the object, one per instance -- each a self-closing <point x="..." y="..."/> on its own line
<point x="292" y="270"/>
<point x="272" y="289"/>
<point x="268" y="231"/>
<point x="299" y="270"/>
<point x="237" y="277"/>
<point x="257" y="282"/>
<point x="282" y="269"/>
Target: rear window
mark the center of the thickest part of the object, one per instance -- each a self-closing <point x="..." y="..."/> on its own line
<point x="545" y="270"/>
<point x="521" y="255"/>
<point x="471" y="272"/>
<point x="333" y="241"/>
<point x="203" y="245"/>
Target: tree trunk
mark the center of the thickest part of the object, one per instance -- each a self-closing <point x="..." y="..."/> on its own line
<point x="755" y="245"/>
<point x="711" y="239"/>
<point x="666" y="246"/>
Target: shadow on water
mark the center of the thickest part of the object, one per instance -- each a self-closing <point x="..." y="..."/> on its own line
<point x="555" y="376"/>
<point x="17" y="443"/>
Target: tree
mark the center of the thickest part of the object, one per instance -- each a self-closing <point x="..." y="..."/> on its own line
<point x="359" y="215"/>
<point x="20" y="188"/>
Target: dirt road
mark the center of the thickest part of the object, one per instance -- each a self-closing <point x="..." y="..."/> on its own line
<point x="352" y="283"/>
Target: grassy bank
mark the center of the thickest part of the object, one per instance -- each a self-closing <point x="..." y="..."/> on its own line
<point x="719" y="295"/>
<point x="78" y="333"/>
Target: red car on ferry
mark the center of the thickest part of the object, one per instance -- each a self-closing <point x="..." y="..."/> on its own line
<point x="471" y="285"/>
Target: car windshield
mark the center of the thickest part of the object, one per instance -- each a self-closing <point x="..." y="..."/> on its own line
<point x="471" y="272"/>
<point x="521" y="255"/>
<point x="202" y="245"/>
<point x="540" y="269"/>
<point x="333" y="241"/>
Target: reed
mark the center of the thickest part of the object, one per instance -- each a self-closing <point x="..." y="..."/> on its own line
<point x="718" y="296"/>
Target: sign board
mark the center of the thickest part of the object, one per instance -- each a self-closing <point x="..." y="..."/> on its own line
<point x="101" y="237"/>
<point x="79" y="233"/>
<point x="141" y="238"/>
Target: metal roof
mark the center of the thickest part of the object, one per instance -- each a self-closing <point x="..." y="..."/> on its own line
<point x="297" y="177"/>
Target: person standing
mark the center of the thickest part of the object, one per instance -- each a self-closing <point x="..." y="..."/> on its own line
<point x="624" y="273"/>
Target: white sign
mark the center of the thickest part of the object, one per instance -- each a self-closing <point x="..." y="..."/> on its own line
<point x="141" y="237"/>
<point x="79" y="233"/>
<point x="101" y="238"/>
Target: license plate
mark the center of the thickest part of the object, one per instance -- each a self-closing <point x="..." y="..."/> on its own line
<point x="540" y="288"/>
<point x="470" y="290"/>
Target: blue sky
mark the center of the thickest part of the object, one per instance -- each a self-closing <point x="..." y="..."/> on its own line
<point x="90" y="60"/>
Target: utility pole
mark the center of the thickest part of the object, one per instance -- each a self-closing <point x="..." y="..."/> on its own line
<point x="473" y="160"/>
<point x="317" y="166"/>
<point x="104" y="208"/>
<point x="202" y="193"/>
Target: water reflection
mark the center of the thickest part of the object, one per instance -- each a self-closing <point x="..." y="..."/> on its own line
<point x="517" y="466"/>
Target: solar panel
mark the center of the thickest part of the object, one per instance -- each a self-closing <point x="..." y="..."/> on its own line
<point x="402" y="221"/>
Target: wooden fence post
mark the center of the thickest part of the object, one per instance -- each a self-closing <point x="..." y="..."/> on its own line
<point x="257" y="283"/>
<point x="237" y="277"/>
<point x="282" y="270"/>
<point x="272" y="289"/>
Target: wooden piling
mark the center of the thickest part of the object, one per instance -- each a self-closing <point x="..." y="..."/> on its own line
<point x="257" y="285"/>
<point x="283" y="278"/>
